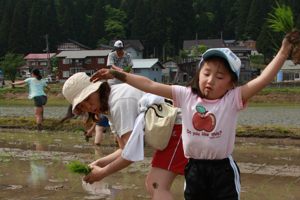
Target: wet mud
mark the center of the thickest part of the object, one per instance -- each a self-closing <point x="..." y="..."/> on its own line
<point x="33" y="166"/>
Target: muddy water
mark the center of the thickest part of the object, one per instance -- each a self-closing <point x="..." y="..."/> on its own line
<point x="33" y="166"/>
<point x="265" y="116"/>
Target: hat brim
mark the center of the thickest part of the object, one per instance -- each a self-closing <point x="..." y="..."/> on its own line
<point x="215" y="52"/>
<point x="93" y="87"/>
<point x="118" y="48"/>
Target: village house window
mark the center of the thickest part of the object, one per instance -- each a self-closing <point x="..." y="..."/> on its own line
<point x="32" y="63"/>
<point x="75" y="70"/>
<point x="137" y="71"/>
<point x="239" y="54"/>
<point x="157" y="69"/>
<point x="100" y="60"/>
<point x="152" y="69"/>
<point x="243" y="65"/>
<point x="66" y="74"/>
<point x="88" y="61"/>
<point x="43" y="63"/>
<point x="67" y="61"/>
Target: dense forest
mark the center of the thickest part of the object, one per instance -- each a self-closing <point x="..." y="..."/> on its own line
<point x="156" y="23"/>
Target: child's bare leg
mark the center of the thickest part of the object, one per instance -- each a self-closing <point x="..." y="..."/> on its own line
<point x="99" y="134"/>
<point x="38" y="114"/>
<point x="159" y="182"/>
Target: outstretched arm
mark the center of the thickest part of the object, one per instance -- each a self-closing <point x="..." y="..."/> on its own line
<point x="139" y="82"/>
<point x="269" y="73"/>
<point x="19" y="83"/>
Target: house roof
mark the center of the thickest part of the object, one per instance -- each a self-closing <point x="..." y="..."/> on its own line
<point x="289" y="65"/>
<point x="229" y="41"/>
<point x="79" y="44"/>
<point x="173" y="61"/>
<point x="82" y="54"/>
<point x="213" y="43"/>
<point x="38" y="56"/>
<point x="145" y="63"/>
<point x="238" y="48"/>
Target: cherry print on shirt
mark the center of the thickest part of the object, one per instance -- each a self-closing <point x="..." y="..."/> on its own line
<point x="204" y="121"/>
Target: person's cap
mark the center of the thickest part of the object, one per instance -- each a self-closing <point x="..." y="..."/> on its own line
<point x="118" y="45"/>
<point x="78" y="87"/>
<point x="233" y="60"/>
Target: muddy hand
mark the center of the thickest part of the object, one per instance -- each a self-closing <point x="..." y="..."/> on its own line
<point x="95" y="175"/>
<point x="101" y="74"/>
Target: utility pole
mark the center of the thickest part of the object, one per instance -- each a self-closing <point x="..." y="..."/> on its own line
<point x="48" y="54"/>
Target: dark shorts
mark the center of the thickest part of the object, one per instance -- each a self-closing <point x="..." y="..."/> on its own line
<point x="212" y="180"/>
<point x="39" y="101"/>
<point x="104" y="122"/>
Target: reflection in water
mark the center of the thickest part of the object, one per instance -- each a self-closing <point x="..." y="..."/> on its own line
<point x="38" y="173"/>
<point x="100" y="187"/>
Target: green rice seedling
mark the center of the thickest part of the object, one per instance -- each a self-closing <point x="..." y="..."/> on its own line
<point x="127" y="69"/>
<point x="282" y="21"/>
<point x="78" y="168"/>
<point x="289" y="187"/>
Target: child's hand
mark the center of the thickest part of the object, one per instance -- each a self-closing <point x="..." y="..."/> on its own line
<point x="101" y="74"/>
<point x="96" y="174"/>
<point x="291" y="43"/>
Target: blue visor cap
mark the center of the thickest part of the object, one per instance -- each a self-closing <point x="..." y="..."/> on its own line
<point x="233" y="60"/>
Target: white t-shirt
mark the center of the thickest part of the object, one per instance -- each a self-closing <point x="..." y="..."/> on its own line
<point x="123" y="108"/>
<point x="208" y="126"/>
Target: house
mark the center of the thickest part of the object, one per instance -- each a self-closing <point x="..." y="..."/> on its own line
<point x="170" y="71"/>
<point x="36" y="60"/>
<point x="88" y="61"/>
<point x="71" y="45"/>
<point x="289" y="72"/>
<point x="150" y="68"/>
<point x="251" y="44"/>
<point x="134" y="47"/>
<point x="187" y="69"/>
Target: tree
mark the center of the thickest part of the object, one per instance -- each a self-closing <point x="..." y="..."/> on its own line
<point x="115" y="23"/>
<point x="242" y="12"/>
<point x="138" y="30"/>
<point x="37" y="27"/>
<point x="264" y="44"/>
<point x="256" y="18"/>
<point x="18" y="32"/>
<point x="10" y="64"/>
<point x="97" y="28"/>
<point x="183" y="19"/>
<point x="66" y="15"/>
<point x="5" y="26"/>
<point x="81" y="33"/>
<point x="52" y="25"/>
<point x="128" y="6"/>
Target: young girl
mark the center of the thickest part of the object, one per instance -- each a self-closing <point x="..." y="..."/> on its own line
<point x="210" y="106"/>
<point x="36" y="85"/>
<point x="120" y="104"/>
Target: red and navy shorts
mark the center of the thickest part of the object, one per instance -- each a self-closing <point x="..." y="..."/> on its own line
<point x="172" y="158"/>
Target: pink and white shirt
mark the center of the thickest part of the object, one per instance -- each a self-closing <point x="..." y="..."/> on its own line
<point x="208" y="126"/>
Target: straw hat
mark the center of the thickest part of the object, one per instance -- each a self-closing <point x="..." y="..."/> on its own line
<point x="78" y="87"/>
